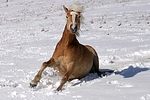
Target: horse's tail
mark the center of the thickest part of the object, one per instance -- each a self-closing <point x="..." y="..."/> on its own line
<point x="95" y="66"/>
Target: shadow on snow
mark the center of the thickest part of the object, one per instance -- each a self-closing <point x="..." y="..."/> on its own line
<point x="92" y="76"/>
<point x="131" y="71"/>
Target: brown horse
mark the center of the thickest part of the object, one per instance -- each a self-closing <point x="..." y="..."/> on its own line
<point x="71" y="60"/>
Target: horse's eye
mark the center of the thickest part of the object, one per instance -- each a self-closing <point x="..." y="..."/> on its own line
<point x="66" y="16"/>
<point x="79" y="16"/>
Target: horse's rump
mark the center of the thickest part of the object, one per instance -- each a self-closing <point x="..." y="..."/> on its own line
<point x="95" y="66"/>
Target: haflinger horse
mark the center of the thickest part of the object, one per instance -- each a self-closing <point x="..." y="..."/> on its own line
<point x="71" y="60"/>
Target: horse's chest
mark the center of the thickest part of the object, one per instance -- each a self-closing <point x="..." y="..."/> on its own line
<point x="61" y="66"/>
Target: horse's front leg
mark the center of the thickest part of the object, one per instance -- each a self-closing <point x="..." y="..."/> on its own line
<point x="65" y="78"/>
<point x="37" y="78"/>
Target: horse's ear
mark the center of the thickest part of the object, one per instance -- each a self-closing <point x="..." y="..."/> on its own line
<point x="66" y="9"/>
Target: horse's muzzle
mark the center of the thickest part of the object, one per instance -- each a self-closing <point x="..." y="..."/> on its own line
<point x="73" y="28"/>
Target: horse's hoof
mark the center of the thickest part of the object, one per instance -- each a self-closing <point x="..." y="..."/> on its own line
<point x="33" y="84"/>
<point x="59" y="89"/>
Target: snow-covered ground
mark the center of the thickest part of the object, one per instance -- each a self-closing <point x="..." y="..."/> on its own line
<point x="119" y="30"/>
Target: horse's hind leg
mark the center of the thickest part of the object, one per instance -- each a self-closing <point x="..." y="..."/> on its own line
<point x="37" y="78"/>
<point x="95" y="66"/>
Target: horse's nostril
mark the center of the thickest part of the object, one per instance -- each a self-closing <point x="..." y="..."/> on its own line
<point x="73" y="28"/>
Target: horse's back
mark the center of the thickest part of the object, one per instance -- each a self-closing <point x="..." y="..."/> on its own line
<point x="91" y="49"/>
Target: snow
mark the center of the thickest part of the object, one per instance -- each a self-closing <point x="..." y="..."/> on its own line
<point x="119" y="30"/>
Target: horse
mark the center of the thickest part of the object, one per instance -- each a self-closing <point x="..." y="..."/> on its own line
<point x="71" y="59"/>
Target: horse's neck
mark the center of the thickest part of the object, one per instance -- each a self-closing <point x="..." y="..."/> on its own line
<point x="68" y="38"/>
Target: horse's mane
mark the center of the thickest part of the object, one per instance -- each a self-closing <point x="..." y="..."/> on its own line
<point x="77" y="8"/>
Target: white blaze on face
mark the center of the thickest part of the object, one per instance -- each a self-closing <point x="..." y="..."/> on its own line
<point x="73" y="19"/>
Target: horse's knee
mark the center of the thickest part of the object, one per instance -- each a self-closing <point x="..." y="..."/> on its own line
<point x="45" y="64"/>
<point x="49" y="63"/>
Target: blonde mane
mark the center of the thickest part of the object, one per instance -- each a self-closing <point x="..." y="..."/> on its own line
<point x="77" y="8"/>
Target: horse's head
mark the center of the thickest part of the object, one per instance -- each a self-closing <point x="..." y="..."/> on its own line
<point x="73" y="16"/>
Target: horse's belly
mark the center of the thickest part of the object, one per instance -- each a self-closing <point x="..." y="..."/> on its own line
<point x="80" y="72"/>
<point x="60" y="70"/>
<point x="81" y="69"/>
